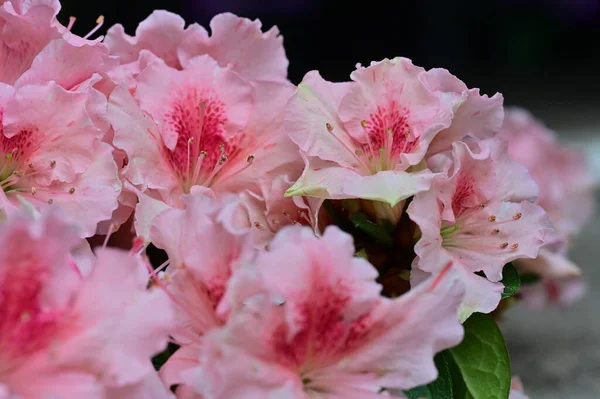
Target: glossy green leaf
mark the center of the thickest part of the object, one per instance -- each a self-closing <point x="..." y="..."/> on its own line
<point x="511" y="280"/>
<point x="443" y="386"/>
<point x="482" y="359"/>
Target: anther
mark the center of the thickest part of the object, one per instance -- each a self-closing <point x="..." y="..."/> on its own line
<point x="495" y="231"/>
<point x="222" y="147"/>
<point x="52" y="164"/>
<point x="33" y="190"/>
<point x="50" y="201"/>
<point x="492" y="218"/>
<point x="222" y="159"/>
<point x="71" y="190"/>
<point x="358" y="152"/>
<point x="191" y="140"/>
<point x="250" y="158"/>
<point x="481" y="206"/>
<point x="31" y="165"/>
<point x="504" y="245"/>
<point x="514" y="246"/>
<point x="517" y="216"/>
<point x="329" y="127"/>
<point x="364" y="123"/>
<point x="258" y="225"/>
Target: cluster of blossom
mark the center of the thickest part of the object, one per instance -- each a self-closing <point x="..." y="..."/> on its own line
<point x="241" y="177"/>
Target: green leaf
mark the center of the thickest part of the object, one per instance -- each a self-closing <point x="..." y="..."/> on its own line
<point x="373" y="230"/>
<point x="511" y="280"/>
<point x="482" y="359"/>
<point x="161" y="358"/>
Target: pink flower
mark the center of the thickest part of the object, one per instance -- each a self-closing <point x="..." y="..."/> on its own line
<point x="36" y="48"/>
<point x="480" y="215"/>
<point x="553" y="292"/>
<point x="320" y="329"/>
<point x="203" y="126"/>
<point x="205" y="247"/>
<point x="516" y="389"/>
<point x="562" y="174"/>
<point x="52" y="154"/>
<point x="26" y="26"/>
<point x="364" y="139"/>
<point x="162" y="33"/>
<point x="479" y="116"/>
<point x="269" y="210"/>
<point x="68" y="335"/>
<point x="235" y="42"/>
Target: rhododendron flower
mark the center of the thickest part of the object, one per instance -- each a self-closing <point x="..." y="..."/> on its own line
<point x="69" y="335"/>
<point x="516" y="389"/>
<point x="366" y="139"/>
<point x="480" y="215"/>
<point x="203" y="126"/>
<point x="52" y="154"/>
<point x="479" y="116"/>
<point x="561" y="292"/>
<point x="235" y="42"/>
<point x="320" y="329"/>
<point x="270" y="210"/>
<point x="565" y="183"/>
<point x="205" y="247"/>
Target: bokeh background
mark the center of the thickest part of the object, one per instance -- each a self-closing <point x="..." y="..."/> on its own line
<point x="541" y="54"/>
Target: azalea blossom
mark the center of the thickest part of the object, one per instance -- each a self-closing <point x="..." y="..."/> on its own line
<point x="69" y="332"/>
<point x="235" y="42"/>
<point x="52" y="154"/>
<point x="566" y="192"/>
<point x="480" y="215"/>
<point x="320" y="329"/>
<point x="516" y="389"/>
<point x="205" y="247"/>
<point x="564" y="179"/>
<point x="202" y="126"/>
<point x="366" y="139"/>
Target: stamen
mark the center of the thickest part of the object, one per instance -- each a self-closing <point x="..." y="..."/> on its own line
<point x="517" y="216"/>
<point x="33" y="190"/>
<point x="492" y="218"/>
<point x="111" y="230"/>
<point x="71" y="23"/>
<point x="258" y="225"/>
<point x="364" y="124"/>
<point x="198" y="167"/>
<point x="31" y="165"/>
<point x="514" y="246"/>
<point x="329" y="127"/>
<point x="52" y="164"/>
<point x="189" y="145"/>
<point x="99" y="23"/>
<point x="504" y="245"/>
<point x="495" y="231"/>
<point x="481" y="206"/>
<point x="50" y="201"/>
<point x="71" y="190"/>
<point x="250" y="159"/>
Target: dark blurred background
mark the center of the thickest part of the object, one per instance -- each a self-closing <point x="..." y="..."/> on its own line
<point x="541" y="54"/>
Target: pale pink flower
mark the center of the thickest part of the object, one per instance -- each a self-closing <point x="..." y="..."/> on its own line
<point x="557" y="292"/>
<point x="269" y="210"/>
<point x="320" y="329"/>
<point x="36" y="48"/>
<point x="203" y="126"/>
<point x="364" y="139"/>
<point x="205" y="246"/>
<point x="51" y="153"/>
<point x="516" y="389"/>
<point x="241" y="44"/>
<point x="235" y="42"/>
<point x="480" y="215"/>
<point x="69" y="335"/>
<point x="26" y="26"/>
<point x="479" y="116"/>
<point x="162" y="33"/>
<point x="561" y="173"/>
